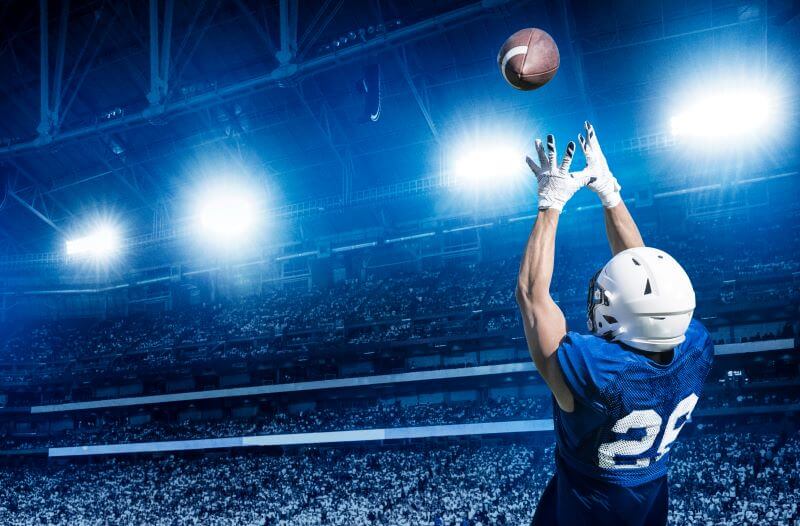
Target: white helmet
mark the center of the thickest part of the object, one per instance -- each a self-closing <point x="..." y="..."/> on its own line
<point x="642" y="298"/>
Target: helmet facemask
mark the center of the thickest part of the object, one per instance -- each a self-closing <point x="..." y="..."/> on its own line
<point x="597" y="296"/>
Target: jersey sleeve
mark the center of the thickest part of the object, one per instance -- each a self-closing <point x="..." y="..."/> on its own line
<point x="584" y="368"/>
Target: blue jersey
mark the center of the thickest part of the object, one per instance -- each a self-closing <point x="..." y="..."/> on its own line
<point x="628" y="408"/>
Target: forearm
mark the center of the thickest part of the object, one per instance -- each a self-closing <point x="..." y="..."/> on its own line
<point x="536" y="269"/>
<point x="621" y="229"/>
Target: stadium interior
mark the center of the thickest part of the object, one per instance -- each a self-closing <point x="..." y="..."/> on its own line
<point x="258" y="258"/>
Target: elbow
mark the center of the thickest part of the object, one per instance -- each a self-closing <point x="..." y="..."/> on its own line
<point x="530" y="300"/>
<point x="525" y="296"/>
<point x="521" y="294"/>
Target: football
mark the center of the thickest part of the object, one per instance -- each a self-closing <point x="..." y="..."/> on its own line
<point x="528" y="59"/>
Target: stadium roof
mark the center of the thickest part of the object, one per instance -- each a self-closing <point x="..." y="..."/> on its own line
<point x="114" y="141"/>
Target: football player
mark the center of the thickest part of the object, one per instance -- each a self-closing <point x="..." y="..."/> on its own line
<point x="622" y="393"/>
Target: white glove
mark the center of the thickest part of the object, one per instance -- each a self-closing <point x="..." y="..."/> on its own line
<point x="601" y="180"/>
<point x="556" y="184"/>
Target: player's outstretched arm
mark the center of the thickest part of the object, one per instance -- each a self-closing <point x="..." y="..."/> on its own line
<point x="621" y="229"/>
<point x="542" y="319"/>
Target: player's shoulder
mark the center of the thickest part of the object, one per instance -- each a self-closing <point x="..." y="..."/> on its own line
<point x="589" y="363"/>
<point x="699" y="340"/>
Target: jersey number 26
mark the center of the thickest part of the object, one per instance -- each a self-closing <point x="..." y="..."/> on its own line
<point x="650" y="422"/>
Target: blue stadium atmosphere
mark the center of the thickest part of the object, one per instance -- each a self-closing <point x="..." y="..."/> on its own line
<point x="265" y="262"/>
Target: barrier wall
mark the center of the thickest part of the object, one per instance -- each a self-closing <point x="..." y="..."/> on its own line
<point x="359" y="435"/>
<point x="328" y="437"/>
<point x="418" y="376"/>
<point x="337" y="383"/>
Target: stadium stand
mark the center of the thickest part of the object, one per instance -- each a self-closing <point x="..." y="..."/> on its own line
<point x="725" y="479"/>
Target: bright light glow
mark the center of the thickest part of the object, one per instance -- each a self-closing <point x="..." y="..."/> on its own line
<point x="101" y="244"/>
<point x="725" y="113"/>
<point x="488" y="165"/>
<point x="227" y="213"/>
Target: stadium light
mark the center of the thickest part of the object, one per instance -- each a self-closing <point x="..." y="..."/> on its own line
<point x="488" y="165"/>
<point x="227" y="213"/>
<point x="721" y="114"/>
<point x="102" y="243"/>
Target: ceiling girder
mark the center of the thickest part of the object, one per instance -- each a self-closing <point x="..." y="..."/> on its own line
<point x="424" y="28"/>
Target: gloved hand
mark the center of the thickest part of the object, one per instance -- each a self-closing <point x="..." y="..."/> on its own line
<point x="556" y="184"/>
<point x="601" y="180"/>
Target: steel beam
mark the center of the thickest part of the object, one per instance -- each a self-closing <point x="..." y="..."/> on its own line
<point x="423" y="29"/>
<point x="44" y="73"/>
<point x="294" y="13"/>
<point x="36" y="187"/>
<point x="189" y="30"/>
<point x="324" y="125"/>
<point x="288" y="19"/>
<point x="310" y="26"/>
<point x="153" y="96"/>
<point x="284" y="16"/>
<point x="59" y="73"/>
<point x="35" y="211"/>
<point x="169" y="7"/>
<point x="201" y="33"/>
<point x="312" y="32"/>
<point x="674" y="36"/>
<point x="561" y="14"/>
<point x="119" y="174"/>
<point x="259" y="29"/>
<point x="76" y="63"/>
<point x="109" y="25"/>
<point x="402" y="59"/>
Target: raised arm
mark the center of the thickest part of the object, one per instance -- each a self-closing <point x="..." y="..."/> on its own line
<point x="620" y="227"/>
<point x="542" y="319"/>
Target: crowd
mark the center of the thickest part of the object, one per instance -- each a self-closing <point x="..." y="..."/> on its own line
<point x="737" y="398"/>
<point x="294" y="317"/>
<point x="403" y="308"/>
<point x="110" y="430"/>
<point x="734" y="479"/>
<point x="729" y="479"/>
<point x="380" y="307"/>
<point x="787" y="331"/>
